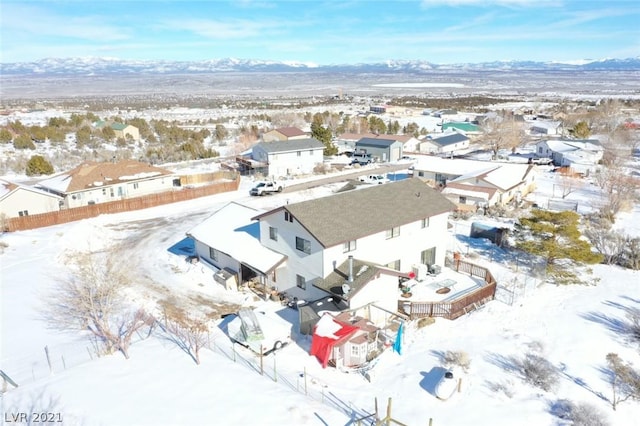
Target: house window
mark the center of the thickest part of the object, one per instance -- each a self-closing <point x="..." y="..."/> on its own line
<point x="421" y="174"/>
<point x="119" y="191"/>
<point x="393" y="232"/>
<point x="462" y="200"/>
<point x="135" y="185"/>
<point x="428" y="256"/>
<point x="310" y="152"/>
<point x="288" y="216"/>
<point x="213" y="253"/>
<point x="349" y="246"/>
<point x="355" y="350"/>
<point x="424" y="223"/>
<point x="23" y="213"/>
<point x="303" y="245"/>
<point x="104" y="191"/>
<point x="299" y="153"/>
<point x="539" y="150"/>
<point x="301" y="282"/>
<point x="394" y="265"/>
<point x="273" y="233"/>
<point x="111" y="192"/>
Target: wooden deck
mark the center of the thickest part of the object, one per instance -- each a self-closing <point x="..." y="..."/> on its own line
<point x="459" y="303"/>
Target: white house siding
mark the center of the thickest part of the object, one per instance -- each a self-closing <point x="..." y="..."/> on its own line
<point x="407" y="247"/>
<point x="289" y="163"/>
<point x="223" y="261"/>
<point x="298" y="263"/>
<point x="21" y="200"/>
<point x="383" y="292"/>
<point x="119" y="191"/>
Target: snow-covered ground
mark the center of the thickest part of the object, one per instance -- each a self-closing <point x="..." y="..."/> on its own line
<point x="574" y="327"/>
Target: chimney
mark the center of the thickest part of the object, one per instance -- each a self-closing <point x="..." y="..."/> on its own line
<point x="350" y="268"/>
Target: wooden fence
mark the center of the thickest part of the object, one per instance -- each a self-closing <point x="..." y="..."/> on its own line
<point x="453" y="309"/>
<point x="130" y="204"/>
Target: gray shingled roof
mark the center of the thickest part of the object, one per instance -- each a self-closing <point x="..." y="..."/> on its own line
<point x="355" y="214"/>
<point x="450" y="139"/>
<point x="291" y="145"/>
<point x="363" y="272"/>
<point x="378" y="143"/>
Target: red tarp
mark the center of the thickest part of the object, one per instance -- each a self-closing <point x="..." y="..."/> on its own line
<point x="322" y="346"/>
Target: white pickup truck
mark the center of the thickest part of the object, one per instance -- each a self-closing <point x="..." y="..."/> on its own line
<point x="266" y="187"/>
<point x="375" y="179"/>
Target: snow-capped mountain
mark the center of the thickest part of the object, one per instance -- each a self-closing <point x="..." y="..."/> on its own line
<point x="112" y="66"/>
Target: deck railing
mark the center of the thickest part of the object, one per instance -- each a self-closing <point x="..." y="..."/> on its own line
<point x="455" y="308"/>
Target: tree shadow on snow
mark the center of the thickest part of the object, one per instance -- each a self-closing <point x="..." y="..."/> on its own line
<point x="430" y="379"/>
<point x="618" y="326"/>
<point x="510" y="364"/>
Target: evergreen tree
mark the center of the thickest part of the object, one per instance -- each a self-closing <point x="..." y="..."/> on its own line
<point x="37" y="165"/>
<point x="23" y="141"/>
<point x="555" y="236"/>
<point x="324" y="135"/>
<point x="5" y="136"/>
<point x="581" y="130"/>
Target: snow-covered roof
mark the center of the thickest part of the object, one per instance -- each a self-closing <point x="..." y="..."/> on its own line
<point x="7" y="188"/>
<point x="93" y="174"/>
<point x="230" y="230"/>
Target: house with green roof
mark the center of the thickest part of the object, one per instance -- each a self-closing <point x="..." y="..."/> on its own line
<point x="387" y="230"/>
<point x="121" y="130"/>
<point x="464" y="127"/>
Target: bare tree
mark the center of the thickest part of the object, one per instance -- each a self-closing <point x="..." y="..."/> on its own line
<point x="190" y="333"/>
<point x="92" y="299"/>
<point x="502" y="132"/>
<point x="624" y="380"/>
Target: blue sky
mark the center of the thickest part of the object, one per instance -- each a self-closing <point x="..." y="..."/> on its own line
<point x="321" y="32"/>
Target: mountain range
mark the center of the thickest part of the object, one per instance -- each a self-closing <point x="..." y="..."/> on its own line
<point x="111" y="66"/>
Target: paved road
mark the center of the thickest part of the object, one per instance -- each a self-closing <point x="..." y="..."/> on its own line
<point x="381" y="169"/>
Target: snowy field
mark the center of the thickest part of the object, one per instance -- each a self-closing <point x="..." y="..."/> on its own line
<point x="574" y="327"/>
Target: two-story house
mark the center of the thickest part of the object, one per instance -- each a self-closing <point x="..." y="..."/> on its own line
<point x="396" y="226"/>
<point x="289" y="157"/>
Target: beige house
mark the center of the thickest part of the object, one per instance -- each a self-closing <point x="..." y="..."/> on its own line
<point x="284" y="134"/>
<point x="93" y="182"/>
<point x="121" y="130"/>
<point x="21" y="200"/>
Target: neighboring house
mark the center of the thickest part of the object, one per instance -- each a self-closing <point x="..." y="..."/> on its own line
<point x="396" y="226"/>
<point x="476" y="183"/>
<point x="284" y="134"/>
<point x="542" y="127"/>
<point x="461" y="127"/>
<point x="93" y="182"/>
<point x="380" y="149"/>
<point x="289" y="158"/>
<point x="21" y="200"/>
<point x="581" y="155"/>
<point x="346" y="142"/>
<point x="446" y="143"/>
<point x="229" y="239"/>
<point x="121" y="130"/>
<point x="496" y="185"/>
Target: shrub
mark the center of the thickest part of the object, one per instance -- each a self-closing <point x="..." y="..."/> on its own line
<point x="581" y="414"/>
<point x="505" y="387"/>
<point x="539" y="372"/>
<point x="37" y="165"/>
<point x="457" y="358"/>
<point x="23" y="142"/>
<point x="423" y="322"/>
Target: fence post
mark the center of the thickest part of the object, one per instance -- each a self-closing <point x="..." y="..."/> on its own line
<point x="275" y="371"/>
<point x="261" y="361"/>
<point x="46" y="351"/>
